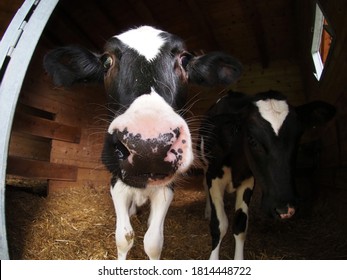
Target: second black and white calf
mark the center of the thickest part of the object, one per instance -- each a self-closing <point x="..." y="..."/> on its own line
<point x="148" y="144"/>
<point x="247" y="141"/>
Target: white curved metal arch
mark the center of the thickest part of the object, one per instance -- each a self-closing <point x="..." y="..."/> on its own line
<point x="16" y="49"/>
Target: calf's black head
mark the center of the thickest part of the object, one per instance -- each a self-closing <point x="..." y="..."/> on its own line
<point x="272" y="137"/>
<point x="145" y="72"/>
<point x="260" y="135"/>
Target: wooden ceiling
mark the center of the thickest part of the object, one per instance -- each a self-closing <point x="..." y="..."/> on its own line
<point x="252" y="30"/>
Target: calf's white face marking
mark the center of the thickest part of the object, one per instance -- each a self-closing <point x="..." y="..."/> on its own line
<point x="274" y="111"/>
<point x="145" y="40"/>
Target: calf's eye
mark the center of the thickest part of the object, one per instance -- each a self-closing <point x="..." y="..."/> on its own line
<point x="107" y="62"/>
<point x="252" y="142"/>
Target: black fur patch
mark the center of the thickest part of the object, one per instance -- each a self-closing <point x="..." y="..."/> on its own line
<point x="214" y="227"/>
<point x="73" y="64"/>
<point x="247" y="195"/>
<point x="240" y="222"/>
<point x="113" y="180"/>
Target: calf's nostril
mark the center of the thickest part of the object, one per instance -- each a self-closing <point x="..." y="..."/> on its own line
<point x="121" y="151"/>
<point x="285" y="212"/>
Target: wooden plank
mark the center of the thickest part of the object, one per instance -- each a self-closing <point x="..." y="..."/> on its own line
<point x="41" y="102"/>
<point x="77" y="155"/>
<point x="24" y="145"/>
<point x="85" y="177"/>
<point x="46" y="128"/>
<point x="84" y="162"/>
<point x="77" y="95"/>
<point x="40" y="169"/>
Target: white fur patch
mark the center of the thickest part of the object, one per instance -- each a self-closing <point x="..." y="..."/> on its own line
<point x="224" y="183"/>
<point x="274" y="111"/>
<point x="145" y="40"/>
<point x="148" y="109"/>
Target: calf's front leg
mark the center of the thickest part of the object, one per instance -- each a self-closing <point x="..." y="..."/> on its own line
<point x="219" y="220"/>
<point x="122" y="198"/>
<point x="153" y="241"/>
<point x="240" y="224"/>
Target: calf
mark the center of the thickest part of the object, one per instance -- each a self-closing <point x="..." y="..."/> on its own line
<point x="148" y="143"/>
<point x="252" y="139"/>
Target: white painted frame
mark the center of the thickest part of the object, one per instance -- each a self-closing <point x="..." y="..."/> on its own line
<point x="17" y="47"/>
<point x="316" y="41"/>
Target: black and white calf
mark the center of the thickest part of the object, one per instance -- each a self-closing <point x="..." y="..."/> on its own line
<point x="248" y="140"/>
<point x="148" y="144"/>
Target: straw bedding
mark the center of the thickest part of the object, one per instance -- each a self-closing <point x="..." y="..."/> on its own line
<point x="78" y="223"/>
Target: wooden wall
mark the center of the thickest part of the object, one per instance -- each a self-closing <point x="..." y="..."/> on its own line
<point x="57" y="133"/>
<point x="282" y="75"/>
<point x="332" y="87"/>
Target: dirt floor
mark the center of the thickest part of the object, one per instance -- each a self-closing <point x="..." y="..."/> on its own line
<point x="79" y="223"/>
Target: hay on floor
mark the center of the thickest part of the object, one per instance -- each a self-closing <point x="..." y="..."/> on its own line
<point x="79" y="223"/>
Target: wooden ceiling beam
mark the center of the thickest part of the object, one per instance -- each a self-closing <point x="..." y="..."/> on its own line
<point x="107" y="8"/>
<point x="143" y="12"/>
<point x="253" y="16"/>
<point x="203" y="25"/>
<point x="68" y="19"/>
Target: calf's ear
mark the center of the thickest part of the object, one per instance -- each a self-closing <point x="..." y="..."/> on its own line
<point x="214" y="69"/>
<point x="73" y="64"/>
<point x="315" y="113"/>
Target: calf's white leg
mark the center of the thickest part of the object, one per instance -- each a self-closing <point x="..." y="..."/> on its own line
<point x="154" y="238"/>
<point x="219" y="220"/>
<point x="240" y="223"/>
<point x="125" y="200"/>
<point x="122" y="199"/>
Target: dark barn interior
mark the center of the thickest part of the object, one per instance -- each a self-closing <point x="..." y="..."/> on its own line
<point x="57" y="191"/>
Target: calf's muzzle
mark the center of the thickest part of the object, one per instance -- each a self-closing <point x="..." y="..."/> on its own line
<point x="152" y="142"/>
